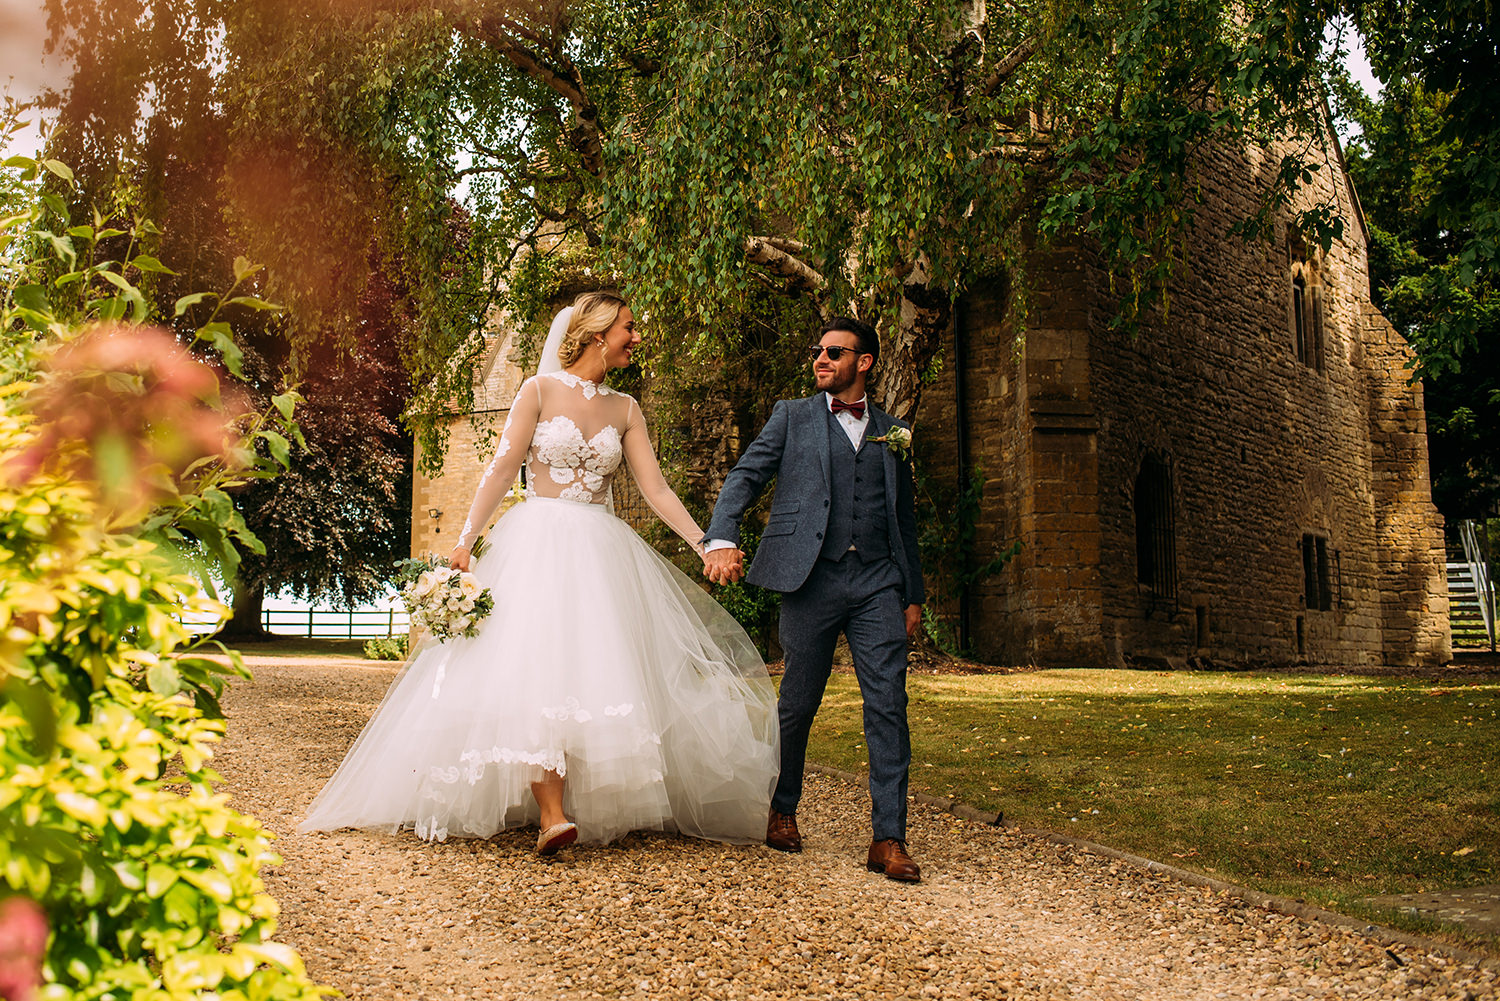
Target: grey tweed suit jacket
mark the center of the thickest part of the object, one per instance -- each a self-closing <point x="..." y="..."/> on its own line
<point x="793" y="448"/>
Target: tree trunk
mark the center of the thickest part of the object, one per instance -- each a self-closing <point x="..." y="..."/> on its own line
<point x="910" y="348"/>
<point x="244" y="623"/>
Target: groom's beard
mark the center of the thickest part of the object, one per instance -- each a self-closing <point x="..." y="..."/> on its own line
<point x="834" y="382"/>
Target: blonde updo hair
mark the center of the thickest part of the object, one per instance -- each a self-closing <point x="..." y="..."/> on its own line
<point x="593" y="314"/>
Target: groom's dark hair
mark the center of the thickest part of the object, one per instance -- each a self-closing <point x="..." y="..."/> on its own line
<point x="863" y="332"/>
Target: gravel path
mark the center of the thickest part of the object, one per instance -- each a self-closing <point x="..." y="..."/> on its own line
<point x="1000" y="914"/>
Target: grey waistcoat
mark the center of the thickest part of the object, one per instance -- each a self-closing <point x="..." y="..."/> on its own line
<point x="857" y="514"/>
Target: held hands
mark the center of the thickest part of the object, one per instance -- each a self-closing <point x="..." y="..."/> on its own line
<point x="724" y="566"/>
<point x="459" y="560"/>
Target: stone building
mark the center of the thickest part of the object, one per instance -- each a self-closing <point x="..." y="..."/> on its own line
<point x="1244" y="481"/>
<point x="440" y="504"/>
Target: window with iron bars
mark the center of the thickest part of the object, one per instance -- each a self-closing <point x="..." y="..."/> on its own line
<point x="1155" y="530"/>
<point x="1320" y="572"/>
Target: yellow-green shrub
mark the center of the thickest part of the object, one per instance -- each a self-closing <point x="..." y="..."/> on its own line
<point x="108" y="815"/>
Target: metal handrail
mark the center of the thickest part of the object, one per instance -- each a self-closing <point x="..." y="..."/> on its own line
<point x="1479" y="569"/>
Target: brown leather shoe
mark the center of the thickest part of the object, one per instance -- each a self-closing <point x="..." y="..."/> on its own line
<point x="889" y="856"/>
<point x="781" y="832"/>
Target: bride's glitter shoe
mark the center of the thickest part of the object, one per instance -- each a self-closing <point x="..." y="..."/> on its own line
<point x="556" y="837"/>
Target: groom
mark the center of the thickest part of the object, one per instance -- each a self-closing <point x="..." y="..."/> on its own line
<point x="841" y="545"/>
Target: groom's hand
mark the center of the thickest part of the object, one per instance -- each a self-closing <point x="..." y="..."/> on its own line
<point x="724" y="566"/>
<point x="913" y="619"/>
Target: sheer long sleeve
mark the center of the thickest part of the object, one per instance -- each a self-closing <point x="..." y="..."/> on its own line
<point x="515" y="439"/>
<point x="653" y="485"/>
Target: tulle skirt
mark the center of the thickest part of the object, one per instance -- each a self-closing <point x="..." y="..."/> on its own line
<point x="601" y="662"/>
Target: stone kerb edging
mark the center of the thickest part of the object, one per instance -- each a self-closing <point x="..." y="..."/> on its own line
<point x="1281" y="905"/>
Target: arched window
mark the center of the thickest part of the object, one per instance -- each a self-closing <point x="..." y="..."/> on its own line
<point x="1299" y="314"/>
<point x="1307" y="314"/>
<point x="1155" y="532"/>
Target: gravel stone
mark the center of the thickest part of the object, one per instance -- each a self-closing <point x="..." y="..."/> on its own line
<point x="1000" y="914"/>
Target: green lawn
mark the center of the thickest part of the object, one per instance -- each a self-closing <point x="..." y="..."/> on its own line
<point x="1325" y="788"/>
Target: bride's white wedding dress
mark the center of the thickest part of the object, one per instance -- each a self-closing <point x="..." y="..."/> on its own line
<point x="601" y="661"/>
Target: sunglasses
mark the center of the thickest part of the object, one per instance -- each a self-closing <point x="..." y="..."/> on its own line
<point x="835" y="351"/>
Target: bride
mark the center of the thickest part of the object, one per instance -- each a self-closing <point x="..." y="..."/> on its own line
<point x="606" y="692"/>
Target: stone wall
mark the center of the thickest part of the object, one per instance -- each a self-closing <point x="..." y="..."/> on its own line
<point x="1262" y="447"/>
<point x="471" y="442"/>
<point x="1413" y="574"/>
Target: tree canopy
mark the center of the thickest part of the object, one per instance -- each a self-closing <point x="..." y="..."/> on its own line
<point x="709" y="155"/>
<point x="144" y="118"/>
<point x="871" y="159"/>
<point x="1430" y="171"/>
<point x="1432" y="269"/>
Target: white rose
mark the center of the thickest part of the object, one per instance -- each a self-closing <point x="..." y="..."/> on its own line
<point x="461" y="623"/>
<point x="467" y="605"/>
<point x="453" y="604"/>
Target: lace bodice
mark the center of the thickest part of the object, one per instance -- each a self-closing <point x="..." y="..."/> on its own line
<point x="582" y="467"/>
<point x="573" y="434"/>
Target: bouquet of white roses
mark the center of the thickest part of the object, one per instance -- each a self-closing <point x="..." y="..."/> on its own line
<point x="443" y="600"/>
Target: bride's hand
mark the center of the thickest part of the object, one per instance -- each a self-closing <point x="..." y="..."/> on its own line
<point x="724" y="566"/>
<point x="460" y="558"/>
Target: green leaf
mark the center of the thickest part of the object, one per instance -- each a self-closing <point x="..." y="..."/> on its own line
<point x="181" y="905"/>
<point x="244" y="269"/>
<point x="36" y="709"/>
<point x="285" y="403"/>
<point x="253" y="303"/>
<point x="60" y="169"/>
<point x="138" y="306"/>
<point x="90" y="885"/>
<point x="281" y="451"/>
<point x="221" y="337"/>
<point x="145" y="262"/>
<point x="114" y="461"/>
<point x="190" y="300"/>
<point x="163" y="678"/>
<point x="32" y="297"/>
<point x="62" y="247"/>
<point x="160" y="879"/>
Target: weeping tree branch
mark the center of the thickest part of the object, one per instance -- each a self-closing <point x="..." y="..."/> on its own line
<point x="1009" y="63"/>
<point x="508" y="37"/>
<point x="800" y="276"/>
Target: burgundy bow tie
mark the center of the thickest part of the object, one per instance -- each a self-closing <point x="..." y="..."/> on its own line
<point x="857" y="409"/>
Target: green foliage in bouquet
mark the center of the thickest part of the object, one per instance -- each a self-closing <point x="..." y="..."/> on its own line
<point x="446" y="603"/>
<point x="442" y="601"/>
<point x="113" y="446"/>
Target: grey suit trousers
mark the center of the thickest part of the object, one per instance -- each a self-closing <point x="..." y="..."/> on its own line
<point x="863" y="601"/>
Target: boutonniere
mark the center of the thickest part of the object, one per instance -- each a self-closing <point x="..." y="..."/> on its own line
<point x="898" y="440"/>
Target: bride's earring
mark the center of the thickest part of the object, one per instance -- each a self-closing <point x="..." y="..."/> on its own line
<point x="604" y="353"/>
